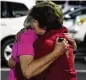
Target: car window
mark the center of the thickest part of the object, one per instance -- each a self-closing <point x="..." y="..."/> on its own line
<point x="4" y="10"/>
<point x="11" y="9"/>
<point x="19" y="9"/>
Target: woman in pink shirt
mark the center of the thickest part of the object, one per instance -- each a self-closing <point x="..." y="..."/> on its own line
<point x="24" y="46"/>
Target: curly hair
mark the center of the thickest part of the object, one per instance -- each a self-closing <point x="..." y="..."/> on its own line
<point x="47" y="14"/>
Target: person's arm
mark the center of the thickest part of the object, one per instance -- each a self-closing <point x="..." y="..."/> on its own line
<point x="42" y="68"/>
<point x="11" y="63"/>
<point x="31" y="67"/>
<point x="71" y="39"/>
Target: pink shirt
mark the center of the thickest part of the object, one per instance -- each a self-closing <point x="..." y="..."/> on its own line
<point x="24" y="46"/>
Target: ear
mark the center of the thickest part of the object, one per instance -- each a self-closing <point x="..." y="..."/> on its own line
<point x="35" y="22"/>
<point x="42" y="31"/>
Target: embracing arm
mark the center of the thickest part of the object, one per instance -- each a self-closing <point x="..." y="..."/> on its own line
<point x="31" y="67"/>
<point x="71" y="39"/>
<point x="43" y="68"/>
<point x="11" y="63"/>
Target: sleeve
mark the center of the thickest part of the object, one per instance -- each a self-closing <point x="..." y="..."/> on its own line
<point x="25" y="45"/>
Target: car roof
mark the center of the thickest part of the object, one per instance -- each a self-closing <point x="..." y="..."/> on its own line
<point x="20" y="1"/>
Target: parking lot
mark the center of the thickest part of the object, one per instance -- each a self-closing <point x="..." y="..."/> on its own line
<point x="80" y="66"/>
<point x="74" y="18"/>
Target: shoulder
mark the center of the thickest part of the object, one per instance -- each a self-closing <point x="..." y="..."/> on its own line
<point x="30" y="33"/>
<point x="27" y="36"/>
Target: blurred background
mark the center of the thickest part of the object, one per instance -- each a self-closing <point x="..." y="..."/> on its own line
<point x="13" y="14"/>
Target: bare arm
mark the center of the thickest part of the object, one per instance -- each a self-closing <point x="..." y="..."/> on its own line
<point x="31" y="67"/>
<point x="42" y="68"/>
<point x="71" y="39"/>
<point x="11" y="62"/>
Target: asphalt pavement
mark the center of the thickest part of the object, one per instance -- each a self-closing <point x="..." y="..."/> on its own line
<point x="80" y="67"/>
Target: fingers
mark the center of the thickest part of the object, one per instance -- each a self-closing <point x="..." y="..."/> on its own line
<point x="68" y="35"/>
<point x="11" y="63"/>
<point x="62" y="40"/>
<point x="60" y="45"/>
<point x="71" y="38"/>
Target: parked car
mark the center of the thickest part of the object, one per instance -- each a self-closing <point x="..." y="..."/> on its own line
<point x="73" y="21"/>
<point x="13" y="14"/>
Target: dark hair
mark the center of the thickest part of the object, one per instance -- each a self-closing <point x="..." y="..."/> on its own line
<point x="46" y="16"/>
